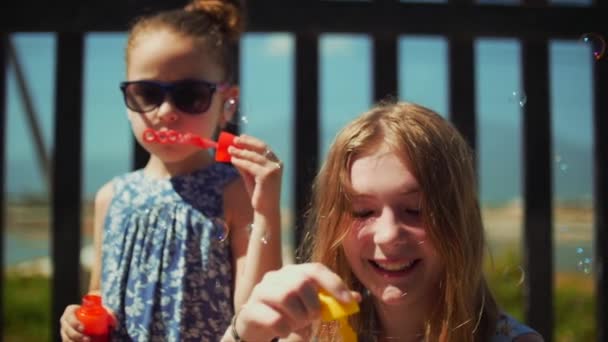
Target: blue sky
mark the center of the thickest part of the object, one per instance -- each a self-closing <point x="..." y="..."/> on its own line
<point x="267" y="102"/>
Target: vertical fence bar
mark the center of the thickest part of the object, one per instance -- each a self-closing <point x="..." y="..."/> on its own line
<point x="3" y="141"/>
<point x="306" y="125"/>
<point x="66" y="186"/>
<point x="461" y="59"/>
<point x="462" y="88"/>
<point x="384" y="57"/>
<point x="601" y="195"/>
<point x="386" y="84"/>
<point x="538" y="220"/>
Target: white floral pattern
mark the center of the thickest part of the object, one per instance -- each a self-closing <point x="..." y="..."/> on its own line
<point x="508" y="329"/>
<point x="165" y="272"/>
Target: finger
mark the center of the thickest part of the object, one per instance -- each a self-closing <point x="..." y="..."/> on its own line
<point x="68" y="333"/>
<point x="329" y="281"/>
<point x="310" y="301"/>
<point x="262" y="158"/>
<point x="259" y="147"/>
<point x="70" y="320"/>
<point x="258" y="321"/>
<point x="263" y="168"/>
<point x="250" y="143"/>
<point x="70" y="325"/>
<point x="64" y="337"/>
<point x="287" y="297"/>
<point x="357" y="296"/>
<point x="250" y="155"/>
<point x="295" y="308"/>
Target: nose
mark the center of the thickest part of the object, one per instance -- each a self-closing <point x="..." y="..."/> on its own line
<point x="166" y="112"/>
<point x="388" y="230"/>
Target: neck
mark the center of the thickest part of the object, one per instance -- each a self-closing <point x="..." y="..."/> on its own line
<point x="401" y="322"/>
<point x="158" y="168"/>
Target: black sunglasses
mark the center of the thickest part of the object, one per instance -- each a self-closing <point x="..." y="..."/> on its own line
<point x="189" y="96"/>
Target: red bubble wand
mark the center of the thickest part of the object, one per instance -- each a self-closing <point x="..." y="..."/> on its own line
<point x="224" y="141"/>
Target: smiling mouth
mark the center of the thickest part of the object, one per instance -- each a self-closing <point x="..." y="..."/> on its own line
<point x="394" y="268"/>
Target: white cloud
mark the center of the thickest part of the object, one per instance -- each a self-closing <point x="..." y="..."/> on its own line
<point x="338" y="46"/>
<point x="278" y="45"/>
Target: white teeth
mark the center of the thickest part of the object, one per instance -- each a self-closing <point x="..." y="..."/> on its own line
<point x="394" y="266"/>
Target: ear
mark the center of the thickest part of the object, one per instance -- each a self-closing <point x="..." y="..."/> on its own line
<point x="231" y="103"/>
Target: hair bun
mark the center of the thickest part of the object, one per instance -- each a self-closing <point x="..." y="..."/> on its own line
<point x="227" y="14"/>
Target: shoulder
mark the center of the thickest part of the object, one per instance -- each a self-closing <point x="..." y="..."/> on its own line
<point x="233" y="184"/>
<point x="235" y="194"/>
<point x="510" y="329"/>
<point x="237" y="204"/>
<point x="104" y="194"/>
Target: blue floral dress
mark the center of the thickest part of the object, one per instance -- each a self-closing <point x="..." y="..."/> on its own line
<point x="508" y="329"/>
<point x="166" y="265"/>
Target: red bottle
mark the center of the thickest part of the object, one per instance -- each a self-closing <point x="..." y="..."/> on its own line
<point x="95" y="318"/>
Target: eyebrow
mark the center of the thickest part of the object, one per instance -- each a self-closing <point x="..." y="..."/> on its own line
<point x="413" y="191"/>
<point x="409" y="192"/>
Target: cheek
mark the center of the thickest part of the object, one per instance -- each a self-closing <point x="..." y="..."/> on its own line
<point x="432" y="255"/>
<point x="204" y="124"/>
<point x="137" y="122"/>
<point x="353" y="245"/>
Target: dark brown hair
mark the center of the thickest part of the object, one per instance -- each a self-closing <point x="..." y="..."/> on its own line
<point x="217" y="24"/>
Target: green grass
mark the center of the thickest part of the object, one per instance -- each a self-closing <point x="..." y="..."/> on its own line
<point x="574" y="307"/>
<point x="27" y="302"/>
<point x="27" y="313"/>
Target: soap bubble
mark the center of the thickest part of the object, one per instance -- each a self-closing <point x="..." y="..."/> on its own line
<point x="597" y="44"/>
<point x="518" y="97"/>
<point x="561" y="163"/>
<point x="585" y="265"/>
<point x="220" y="229"/>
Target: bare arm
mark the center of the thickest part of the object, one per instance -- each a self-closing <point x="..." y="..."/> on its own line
<point x="71" y="329"/>
<point x="254" y="215"/>
<point x="254" y="254"/>
<point x="102" y="201"/>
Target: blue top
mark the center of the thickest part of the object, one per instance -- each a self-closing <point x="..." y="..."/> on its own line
<point x="508" y="329"/>
<point x="166" y="265"/>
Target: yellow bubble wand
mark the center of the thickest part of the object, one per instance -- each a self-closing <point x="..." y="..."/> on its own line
<point x="333" y="310"/>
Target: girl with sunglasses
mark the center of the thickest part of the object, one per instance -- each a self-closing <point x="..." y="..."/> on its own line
<point x="394" y="217"/>
<point x="164" y="266"/>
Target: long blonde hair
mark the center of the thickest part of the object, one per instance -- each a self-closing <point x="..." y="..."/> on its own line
<point x="215" y="24"/>
<point x="442" y="162"/>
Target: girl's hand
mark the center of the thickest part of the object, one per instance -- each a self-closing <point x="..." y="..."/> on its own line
<point x="287" y="301"/>
<point x="72" y="330"/>
<point x="261" y="171"/>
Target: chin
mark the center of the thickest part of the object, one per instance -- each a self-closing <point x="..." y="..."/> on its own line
<point x="388" y="294"/>
<point x="392" y="295"/>
<point x="170" y="153"/>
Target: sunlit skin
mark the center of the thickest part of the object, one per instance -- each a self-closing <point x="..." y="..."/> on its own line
<point x="162" y="55"/>
<point x="387" y="246"/>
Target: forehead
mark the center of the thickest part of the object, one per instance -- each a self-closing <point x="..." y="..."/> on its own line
<point x="165" y="55"/>
<point x="382" y="171"/>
